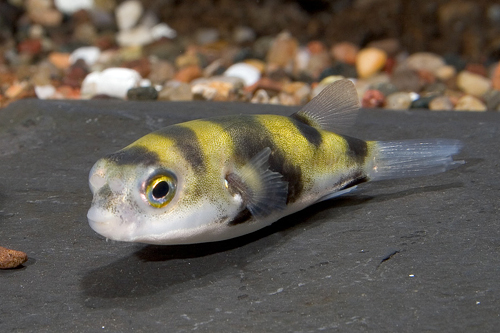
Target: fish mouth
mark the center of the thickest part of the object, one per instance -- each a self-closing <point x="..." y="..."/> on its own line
<point x="107" y="225"/>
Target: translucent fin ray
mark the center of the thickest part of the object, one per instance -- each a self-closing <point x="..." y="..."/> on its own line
<point x="334" y="109"/>
<point x="262" y="190"/>
<point x="412" y="158"/>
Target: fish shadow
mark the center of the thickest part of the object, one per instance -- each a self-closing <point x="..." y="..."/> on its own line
<point x="153" y="274"/>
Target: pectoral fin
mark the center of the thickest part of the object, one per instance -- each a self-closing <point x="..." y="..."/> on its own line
<point x="262" y="190"/>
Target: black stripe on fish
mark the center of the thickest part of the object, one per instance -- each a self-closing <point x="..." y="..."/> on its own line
<point x="310" y="133"/>
<point x="249" y="137"/>
<point x="186" y="141"/>
<point x="134" y="155"/>
<point x="357" y="149"/>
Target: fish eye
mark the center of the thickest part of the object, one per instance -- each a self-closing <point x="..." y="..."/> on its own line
<point x="159" y="190"/>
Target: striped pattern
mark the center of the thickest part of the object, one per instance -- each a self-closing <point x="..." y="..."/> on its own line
<point x="301" y="153"/>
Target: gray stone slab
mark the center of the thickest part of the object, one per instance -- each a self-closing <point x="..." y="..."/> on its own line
<point x="408" y="255"/>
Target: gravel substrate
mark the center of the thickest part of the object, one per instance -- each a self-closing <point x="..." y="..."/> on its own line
<point x="442" y="55"/>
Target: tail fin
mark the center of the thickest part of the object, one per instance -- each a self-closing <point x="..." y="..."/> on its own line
<point x="411" y="158"/>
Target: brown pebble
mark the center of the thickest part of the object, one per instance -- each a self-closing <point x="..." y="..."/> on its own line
<point x="189" y="73"/>
<point x="372" y="99"/>
<point x="30" y="46"/>
<point x="11" y="258"/>
<point x="345" y="52"/>
<point x="495" y="78"/>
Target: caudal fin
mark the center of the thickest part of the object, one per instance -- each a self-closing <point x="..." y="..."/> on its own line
<point x="412" y="158"/>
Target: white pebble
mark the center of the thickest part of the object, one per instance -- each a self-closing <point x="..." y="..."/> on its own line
<point x="45" y="92"/>
<point x="114" y="82"/>
<point x="138" y="36"/>
<point x="128" y="14"/>
<point x="89" y="54"/>
<point x="248" y="73"/>
<point x="71" y="6"/>
<point x="163" y="30"/>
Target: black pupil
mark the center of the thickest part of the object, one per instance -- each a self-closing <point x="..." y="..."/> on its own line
<point x="160" y="190"/>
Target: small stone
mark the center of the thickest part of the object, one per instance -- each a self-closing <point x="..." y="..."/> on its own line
<point x="422" y="102"/>
<point x="398" y="101"/>
<point x="142" y="94"/>
<point x="470" y="103"/>
<point x="71" y="6"/>
<point x="373" y="99"/>
<point x="30" y="46"/>
<point x="248" y="73"/>
<point x="478" y="69"/>
<point x="188" y="73"/>
<point x="406" y="80"/>
<point x="473" y="84"/>
<point x="218" y="88"/>
<point x="60" y="60"/>
<point x="441" y="103"/>
<point x="89" y="54"/>
<point x="162" y="30"/>
<point x="492" y="99"/>
<point x="282" y="52"/>
<point x="161" y="71"/>
<point x="11" y="258"/>
<point x="425" y="61"/>
<point x="42" y="12"/>
<point x="345" y="52"/>
<point x="16" y="90"/>
<point x="176" y="91"/>
<point x="260" y="97"/>
<point x="45" y="92"/>
<point x="75" y="75"/>
<point x="243" y="35"/>
<point x="318" y="62"/>
<point x="370" y="61"/>
<point x="188" y="58"/>
<point x="300" y="91"/>
<point x="137" y="36"/>
<point x="259" y="64"/>
<point x="114" y="82"/>
<point x="495" y="78"/>
<point x="141" y="65"/>
<point x="386" y="88"/>
<point x="128" y="14"/>
<point x="446" y="72"/>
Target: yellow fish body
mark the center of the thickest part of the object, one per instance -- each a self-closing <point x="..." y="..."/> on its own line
<point x="213" y="179"/>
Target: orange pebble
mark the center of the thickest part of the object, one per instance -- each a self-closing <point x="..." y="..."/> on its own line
<point x="59" y="59"/>
<point x="188" y="73"/>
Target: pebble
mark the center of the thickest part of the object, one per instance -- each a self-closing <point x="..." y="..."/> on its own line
<point x="128" y="14"/>
<point x="398" y="101"/>
<point x="163" y="30"/>
<point x="406" y="80"/>
<point x="441" y="103"/>
<point x="59" y="59"/>
<point x="71" y="6"/>
<point x="425" y="61"/>
<point x="445" y="73"/>
<point x="11" y="258"/>
<point x="391" y="46"/>
<point x="89" y="54"/>
<point x="243" y="35"/>
<point x="386" y="88"/>
<point x="206" y="36"/>
<point x="218" y="88"/>
<point x="188" y="73"/>
<point x="45" y="92"/>
<point x="260" y="97"/>
<point x="324" y="83"/>
<point x="495" y="78"/>
<point x="114" y="82"/>
<point x="492" y="99"/>
<point x="282" y="52"/>
<point x="345" y="52"/>
<point x="372" y="99"/>
<point x="470" y="103"/>
<point x="161" y="71"/>
<point x="247" y="72"/>
<point x="142" y="94"/>
<point x="422" y="102"/>
<point x="176" y="91"/>
<point x="370" y="61"/>
<point x="140" y="35"/>
<point x="473" y="84"/>
<point x="300" y="91"/>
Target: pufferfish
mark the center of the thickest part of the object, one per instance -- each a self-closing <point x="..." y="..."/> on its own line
<point x="213" y="179"/>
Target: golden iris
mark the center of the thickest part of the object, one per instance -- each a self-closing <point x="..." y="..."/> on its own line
<point x="160" y="190"/>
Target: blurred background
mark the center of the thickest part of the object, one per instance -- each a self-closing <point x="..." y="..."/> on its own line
<point x="287" y="41"/>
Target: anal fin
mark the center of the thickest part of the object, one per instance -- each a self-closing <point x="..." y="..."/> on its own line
<point x="262" y="190"/>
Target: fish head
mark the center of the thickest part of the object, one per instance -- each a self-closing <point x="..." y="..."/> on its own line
<point x="142" y="196"/>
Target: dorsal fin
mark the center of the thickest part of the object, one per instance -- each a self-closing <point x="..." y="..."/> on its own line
<point x="262" y="190"/>
<point x="334" y="109"/>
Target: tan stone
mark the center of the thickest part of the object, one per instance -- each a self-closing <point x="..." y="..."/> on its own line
<point x="370" y="61"/>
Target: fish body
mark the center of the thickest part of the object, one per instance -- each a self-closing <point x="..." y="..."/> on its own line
<point x="213" y="179"/>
